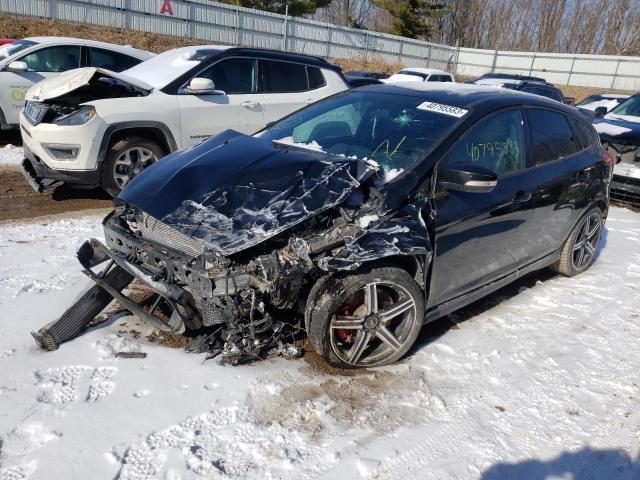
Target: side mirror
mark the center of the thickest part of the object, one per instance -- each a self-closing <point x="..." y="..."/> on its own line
<point x="203" y="86"/>
<point x="468" y="177"/>
<point x="18" y="66"/>
<point x="600" y="112"/>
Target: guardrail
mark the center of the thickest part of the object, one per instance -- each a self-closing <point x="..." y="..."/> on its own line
<point x="228" y="24"/>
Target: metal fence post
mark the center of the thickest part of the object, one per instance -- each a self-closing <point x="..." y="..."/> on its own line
<point x="192" y="20"/>
<point x="429" y="56"/>
<point x="533" y="61"/>
<point x="366" y="46"/>
<point x="128" y="24"/>
<point x="400" y="51"/>
<point x="495" y="60"/>
<point x="573" y="62"/>
<point x="238" y="23"/>
<point x="284" y="29"/>
<point x="615" y="74"/>
<point x="329" y="36"/>
<point x="53" y="9"/>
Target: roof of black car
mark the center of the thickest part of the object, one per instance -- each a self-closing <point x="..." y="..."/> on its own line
<point x="280" y="55"/>
<point x="464" y="95"/>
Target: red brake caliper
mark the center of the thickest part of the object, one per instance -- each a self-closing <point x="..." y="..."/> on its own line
<point x="341" y="332"/>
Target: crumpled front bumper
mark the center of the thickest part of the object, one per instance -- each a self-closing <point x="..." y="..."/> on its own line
<point x="42" y="178"/>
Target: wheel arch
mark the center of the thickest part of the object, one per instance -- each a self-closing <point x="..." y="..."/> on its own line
<point x="156" y="131"/>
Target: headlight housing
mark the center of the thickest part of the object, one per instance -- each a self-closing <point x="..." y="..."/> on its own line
<point x="79" y="117"/>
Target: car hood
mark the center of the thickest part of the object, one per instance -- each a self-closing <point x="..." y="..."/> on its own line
<point x="619" y="128"/>
<point x="234" y="191"/>
<point x="72" y="80"/>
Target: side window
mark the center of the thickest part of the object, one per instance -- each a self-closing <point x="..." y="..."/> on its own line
<point x="446" y="78"/>
<point x="53" y="59"/>
<point x="316" y="79"/>
<point x="114" y="61"/>
<point x="551" y="136"/>
<point x="283" y="77"/>
<point x="549" y="93"/>
<point x="586" y="135"/>
<point x="433" y="78"/>
<point x="234" y="75"/>
<point x="496" y="143"/>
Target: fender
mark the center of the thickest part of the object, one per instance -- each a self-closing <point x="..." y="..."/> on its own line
<point x="111" y="129"/>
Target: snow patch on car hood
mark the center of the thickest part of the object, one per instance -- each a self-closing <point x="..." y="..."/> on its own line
<point x="72" y="80"/>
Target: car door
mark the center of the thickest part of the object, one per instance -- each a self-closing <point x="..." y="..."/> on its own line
<point x="236" y="105"/>
<point x="563" y="170"/>
<point x="288" y="87"/>
<point x="480" y="237"/>
<point x="42" y="63"/>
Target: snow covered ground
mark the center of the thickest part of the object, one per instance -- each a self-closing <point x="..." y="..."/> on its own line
<point x="11" y="155"/>
<point x="543" y="383"/>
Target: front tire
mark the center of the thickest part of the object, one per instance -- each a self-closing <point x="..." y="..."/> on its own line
<point x="366" y="319"/>
<point x="579" y="249"/>
<point x="125" y="159"/>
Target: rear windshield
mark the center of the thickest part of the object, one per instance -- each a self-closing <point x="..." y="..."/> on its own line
<point x="11" y="49"/>
<point x="392" y="129"/>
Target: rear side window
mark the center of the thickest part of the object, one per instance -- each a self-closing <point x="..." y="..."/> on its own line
<point x="53" y="59"/>
<point x="549" y="93"/>
<point x="283" y="77"/>
<point x="586" y="135"/>
<point x="496" y="143"/>
<point x="114" y="61"/>
<point x="551" y="136"/>
<point x="316" y="79"/>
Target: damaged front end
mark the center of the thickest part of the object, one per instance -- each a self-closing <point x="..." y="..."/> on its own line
<point x="233" y="247"/>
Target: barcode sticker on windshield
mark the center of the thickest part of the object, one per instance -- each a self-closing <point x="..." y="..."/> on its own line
<point x="440" y="108"/>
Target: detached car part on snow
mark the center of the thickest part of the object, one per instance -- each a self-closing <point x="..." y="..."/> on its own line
<point x="346" y="220"/>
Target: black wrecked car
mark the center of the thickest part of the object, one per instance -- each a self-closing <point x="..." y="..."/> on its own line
<point x="356" y="220"/>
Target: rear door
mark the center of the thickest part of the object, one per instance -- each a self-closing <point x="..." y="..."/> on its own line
<point x="480" y="237"/>
<point x="563" y="170"/>
<point x="240" y="108"/>
<point x="288" y="86"/>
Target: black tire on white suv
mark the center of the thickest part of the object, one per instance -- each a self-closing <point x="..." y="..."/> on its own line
<point x="125" y="159"/>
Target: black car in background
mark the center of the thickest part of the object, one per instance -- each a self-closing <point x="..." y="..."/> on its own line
<point x="366" y="74"/>
<point x="357" y="219"/>
<point x="361" y="78"/>
<point x="507" y="76"/>
<point x="619" y="132"/>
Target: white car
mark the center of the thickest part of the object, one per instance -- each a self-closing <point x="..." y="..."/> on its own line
<point x="97" y="128"/>
<point x="31" y="60"/>
<point x="415" y="74"/>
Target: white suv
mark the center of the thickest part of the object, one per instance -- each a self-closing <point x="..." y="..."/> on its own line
<point x="96" y="128"/>
<point x="31" y="60"/>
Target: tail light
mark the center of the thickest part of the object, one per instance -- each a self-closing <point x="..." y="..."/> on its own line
<point x="607" y="158"/>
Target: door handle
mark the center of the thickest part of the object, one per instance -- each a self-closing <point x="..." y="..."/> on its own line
<point x="249" y="104"/>
<point x="522" y="197"/>
<point x="308" y="101"/>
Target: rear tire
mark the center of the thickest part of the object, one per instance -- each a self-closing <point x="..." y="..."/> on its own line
<point x="125" y="159"/>
<point x="365" y="319"/>
<point x="579" y="249"/>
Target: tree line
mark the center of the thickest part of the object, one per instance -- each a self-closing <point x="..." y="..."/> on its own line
<point x="610" y="27"/>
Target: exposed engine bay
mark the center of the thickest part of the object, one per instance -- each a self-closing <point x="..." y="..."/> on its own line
<point x="234" y="262"/>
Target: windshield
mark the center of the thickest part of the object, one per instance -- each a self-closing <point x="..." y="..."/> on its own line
<point x="395" y="130"/>
<point x="162" y="69"/>
<point x="631" y="107"/>
<point x="11" y="49"/>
